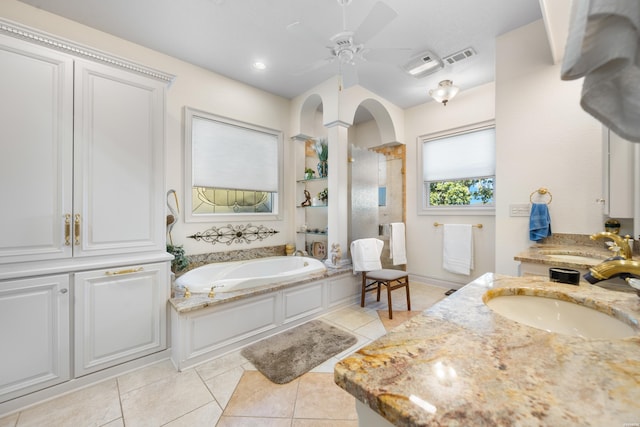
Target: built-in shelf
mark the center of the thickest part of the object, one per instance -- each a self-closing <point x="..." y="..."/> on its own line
<point x="312" y="233"/>
<point x="312" y="179"/>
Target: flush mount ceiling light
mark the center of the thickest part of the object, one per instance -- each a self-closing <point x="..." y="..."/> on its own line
<point x="259" y="65"/>
<point x="444" y="92"/>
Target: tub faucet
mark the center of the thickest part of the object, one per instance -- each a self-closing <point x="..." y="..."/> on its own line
<point x="298" y="252"/>
<point x="612" y="268"/>
<point x="623" y="243"/>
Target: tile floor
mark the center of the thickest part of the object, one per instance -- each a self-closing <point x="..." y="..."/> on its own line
<point x="227" y="391"/>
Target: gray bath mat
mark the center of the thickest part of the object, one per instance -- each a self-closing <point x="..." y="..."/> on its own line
<point x="284" y="357"/>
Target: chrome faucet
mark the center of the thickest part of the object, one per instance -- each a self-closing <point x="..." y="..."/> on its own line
<point x="622" y="243"/>
<point x="298" y="252"/>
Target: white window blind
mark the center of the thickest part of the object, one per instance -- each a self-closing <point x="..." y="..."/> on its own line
<point x="466" y="155"/>
<point x="232" y="157"/>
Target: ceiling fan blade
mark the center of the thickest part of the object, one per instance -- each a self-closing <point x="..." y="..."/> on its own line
<point x="301" y="31"/>
<point x="313" y="66"/>
<point x="349" y="75"/>
<point x="378" y="18"/>
<point x="390" y="55"/>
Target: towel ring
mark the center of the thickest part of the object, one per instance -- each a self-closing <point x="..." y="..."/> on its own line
<point x="542" y="191"/>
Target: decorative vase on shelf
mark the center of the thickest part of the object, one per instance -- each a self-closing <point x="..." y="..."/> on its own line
<point x="323" y="168"/>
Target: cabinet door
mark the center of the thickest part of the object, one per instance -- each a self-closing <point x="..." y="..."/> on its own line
<point x="34" y="314"/>
<point x="36" y="131"/>
<point x="118" y="161"/>
<point x="120" y="315"/>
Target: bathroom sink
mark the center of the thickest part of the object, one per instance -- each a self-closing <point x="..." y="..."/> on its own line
<point x="576" y="257"/>
<point x="555" y="315"/>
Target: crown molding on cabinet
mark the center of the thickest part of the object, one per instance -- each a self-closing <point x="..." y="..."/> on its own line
<point x="22" y="32"/>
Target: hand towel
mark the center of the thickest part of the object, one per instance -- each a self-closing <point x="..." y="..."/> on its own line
<point x="365" y="254"/>
<point x="539" y="222"/>
<point x="457" y="248"/>
<point x="603" y="46"/>
<point x="397" y="250"/>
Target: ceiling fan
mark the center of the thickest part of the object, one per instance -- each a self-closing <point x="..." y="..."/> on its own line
<point x="348" y="46"/>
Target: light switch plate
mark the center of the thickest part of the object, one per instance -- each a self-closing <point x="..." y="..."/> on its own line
<point x="519" y="209"/>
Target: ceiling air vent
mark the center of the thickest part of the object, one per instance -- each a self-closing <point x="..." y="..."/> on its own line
<point x="423" y="65"/>
<point x="459" y="56"/>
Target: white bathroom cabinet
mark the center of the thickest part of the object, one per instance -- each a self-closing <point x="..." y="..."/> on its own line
<point x="84" y="174"/>
<point x="120" y="314"/>
<point x="83" y="195"/>
<point x="34" y="334"/>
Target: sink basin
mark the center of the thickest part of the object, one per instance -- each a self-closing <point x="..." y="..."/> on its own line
<point x="578" y="259"/>
<point x="555" y="315"/>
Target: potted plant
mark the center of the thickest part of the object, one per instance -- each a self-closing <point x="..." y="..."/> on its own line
<point x="324" y="195"/>
<point x="308" y="173"/>
<point x="180" y="261"/>
<point x="322" y="149"/>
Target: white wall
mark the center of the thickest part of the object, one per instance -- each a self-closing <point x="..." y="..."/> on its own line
<point x="544" y="139"/>
<point x="424" y="241"/>
<point x="194" y="87"/>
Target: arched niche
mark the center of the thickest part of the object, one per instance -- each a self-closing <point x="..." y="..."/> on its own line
<point x="382" y="118"/>
<point x="310" y="121"/>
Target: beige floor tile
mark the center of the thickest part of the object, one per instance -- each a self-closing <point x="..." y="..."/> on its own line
<point x="323" y="423"/>
<point x="115" y="423"/>
<point x="351" y="318"/>
<point x="326" y="366"/>
<point x="372" y="330"/>
<point x="205" y="416"/>
<point x="222" y="386"/>
<point x="320" y="398"/>
<point x="9" y="421"/>
<point x="256" y="396"/>
<point x="399" y="316"/>
<point x="253" y="422"/>
<point x="92" y="406"/>
<point x="165" y="400"/>
<point x="145" y="376"/>
<point x="220" y="365"/>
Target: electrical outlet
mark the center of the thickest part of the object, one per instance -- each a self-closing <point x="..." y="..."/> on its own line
<point x="519" y="209"/>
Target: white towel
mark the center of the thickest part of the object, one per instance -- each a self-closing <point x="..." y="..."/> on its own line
<point x="397" y="250"/>
<point x="365" y="254"/>
<point x="457" y="248"/>
<point x="603" y="46"/>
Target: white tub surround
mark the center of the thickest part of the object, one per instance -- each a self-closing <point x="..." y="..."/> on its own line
<point x="204" y="327"/>
<point x="234" y="276"/>
<point x="461" y="363"/>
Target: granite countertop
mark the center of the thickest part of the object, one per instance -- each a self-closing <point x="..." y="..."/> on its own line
<point x="460" y="364"/>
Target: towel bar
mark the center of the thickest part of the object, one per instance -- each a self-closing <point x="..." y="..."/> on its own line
<point x="437" y="224"/>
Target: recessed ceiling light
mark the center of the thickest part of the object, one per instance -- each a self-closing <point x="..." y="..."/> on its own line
<point x="259" y="65"/>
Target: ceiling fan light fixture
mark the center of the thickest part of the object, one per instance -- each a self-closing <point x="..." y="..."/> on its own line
<point x="444" y="92"/>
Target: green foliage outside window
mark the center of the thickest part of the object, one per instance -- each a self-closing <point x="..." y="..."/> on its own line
<point x="461" y="192"/>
